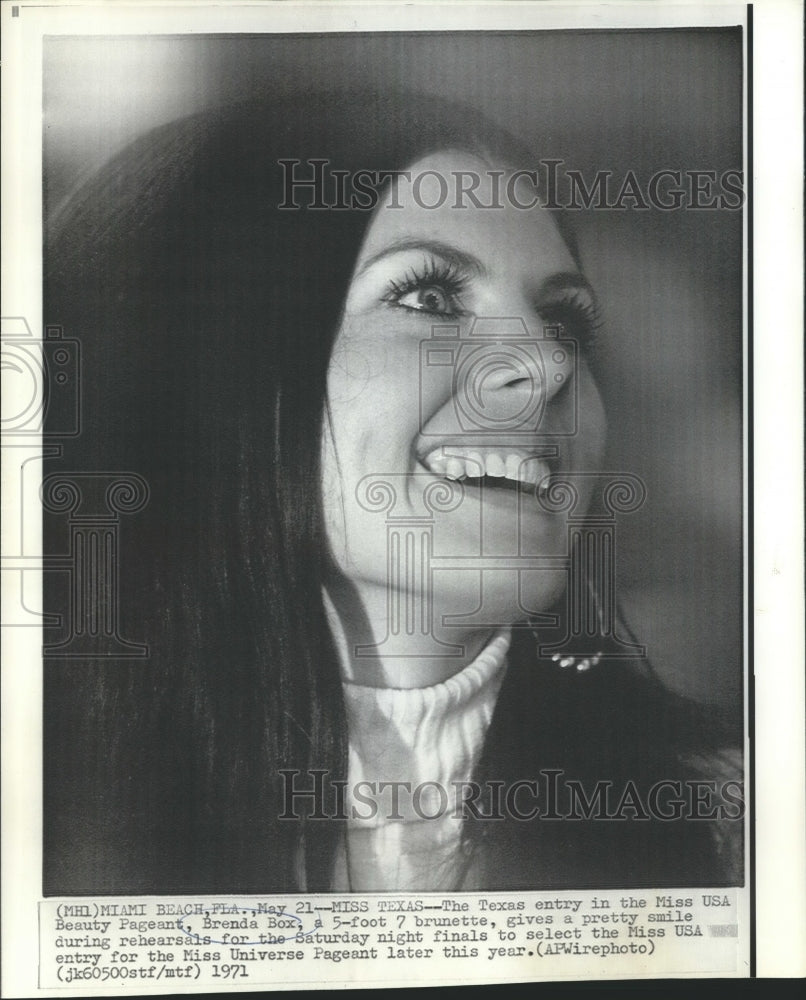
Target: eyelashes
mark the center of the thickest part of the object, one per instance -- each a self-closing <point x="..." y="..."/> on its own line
<point x="436" y="289"/>
<point x="578" y="315"/>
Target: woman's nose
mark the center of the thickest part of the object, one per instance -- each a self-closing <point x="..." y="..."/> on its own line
<point x="507" y="374"/>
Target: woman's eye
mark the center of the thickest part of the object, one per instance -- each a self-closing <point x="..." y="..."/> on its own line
<point x="430" y="298"/>
<point x="434" y="289"/>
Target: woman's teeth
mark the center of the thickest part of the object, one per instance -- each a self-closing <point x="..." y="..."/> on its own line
<point x="459" y="463"/>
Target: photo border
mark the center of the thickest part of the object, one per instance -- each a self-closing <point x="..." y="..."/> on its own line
<point x="773" y="578"/>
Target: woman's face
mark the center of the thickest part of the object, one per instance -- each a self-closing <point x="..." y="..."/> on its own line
<point x="454" y="377"/>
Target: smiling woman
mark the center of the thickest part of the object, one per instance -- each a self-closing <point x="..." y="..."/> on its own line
<point x="420" y="268"/>
<point x="372" y="436"/>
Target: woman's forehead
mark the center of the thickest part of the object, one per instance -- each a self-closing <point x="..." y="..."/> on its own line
<point x="478" y="205"/>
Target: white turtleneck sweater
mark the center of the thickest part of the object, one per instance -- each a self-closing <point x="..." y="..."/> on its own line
<point x="431" y="739"/>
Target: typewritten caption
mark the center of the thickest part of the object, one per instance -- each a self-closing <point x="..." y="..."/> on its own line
<point x="138" y="943"/>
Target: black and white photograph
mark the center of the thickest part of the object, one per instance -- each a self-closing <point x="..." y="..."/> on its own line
<point x="394" y="498"/>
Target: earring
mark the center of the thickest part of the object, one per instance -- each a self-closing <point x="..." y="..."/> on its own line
<point x="571" y="661"/>
<point x="581" y="663"/>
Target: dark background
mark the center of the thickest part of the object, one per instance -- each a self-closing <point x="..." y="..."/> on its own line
<point x="670" y="283"/>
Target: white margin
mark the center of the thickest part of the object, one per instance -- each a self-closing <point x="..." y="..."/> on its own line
<point x="780" y="780"/>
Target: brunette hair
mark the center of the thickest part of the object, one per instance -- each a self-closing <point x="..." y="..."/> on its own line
<point x="206" y="315"/>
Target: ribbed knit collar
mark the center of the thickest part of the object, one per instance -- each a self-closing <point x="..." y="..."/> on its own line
<point x="429" y="741"/>
<point x="449" y="694"/>
<point x="428" y="734"/>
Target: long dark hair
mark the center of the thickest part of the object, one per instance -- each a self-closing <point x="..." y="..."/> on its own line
<point x="206" y="315"/>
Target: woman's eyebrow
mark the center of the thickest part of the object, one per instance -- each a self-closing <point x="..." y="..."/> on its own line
<point x="452" y="254"/>
<point x="563" y="281"/>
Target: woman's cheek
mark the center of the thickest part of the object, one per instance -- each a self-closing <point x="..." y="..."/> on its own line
<point x="398" y="394"/>
<point x="356" y="365"/>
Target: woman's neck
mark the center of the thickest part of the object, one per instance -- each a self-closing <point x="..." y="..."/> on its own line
<point x="376" y="655"/>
